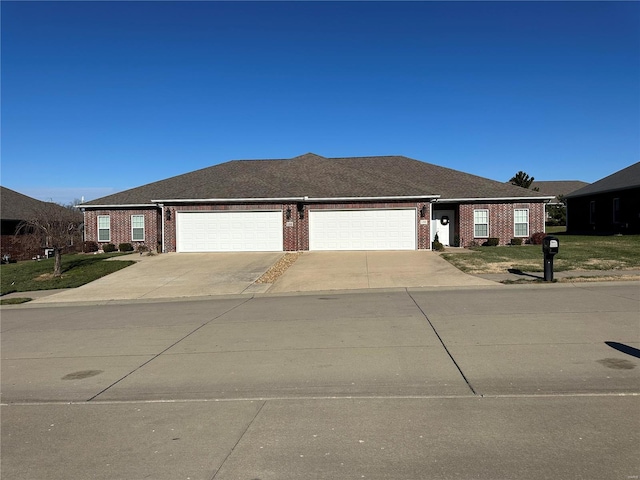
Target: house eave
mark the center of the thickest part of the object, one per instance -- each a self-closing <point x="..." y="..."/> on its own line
<point x="599" y="192"/>
<point x="124" y="205"/>
<point x="372" y="199"/>
<point x="230" y="200"/>
<point x="495" y="199"/>
<point x="296" y="199"/>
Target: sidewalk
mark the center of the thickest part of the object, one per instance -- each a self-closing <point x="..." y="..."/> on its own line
<point x="568" y="275"/>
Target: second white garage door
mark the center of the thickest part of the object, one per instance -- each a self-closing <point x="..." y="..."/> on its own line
<point x="362" y="229"/>
<point x="229" y="231"/>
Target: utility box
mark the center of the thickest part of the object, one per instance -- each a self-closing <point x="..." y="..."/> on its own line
<point x="550" y="248"/>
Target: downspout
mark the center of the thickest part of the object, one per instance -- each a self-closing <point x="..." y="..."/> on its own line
<point x="431" y="230"/>
<point x="84" y="228"/>
<point x="164" y="248"/>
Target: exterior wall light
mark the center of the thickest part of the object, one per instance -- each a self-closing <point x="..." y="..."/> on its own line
<point x="168" y="214"/>
<point x="423" y="211"/>
<point x="301" y="210"/>
<point x="287" y="214"/>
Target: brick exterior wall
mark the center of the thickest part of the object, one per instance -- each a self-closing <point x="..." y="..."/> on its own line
<point x="580" y="219"/>
<point x="19" y="247"/>
<point x="501" y="221"/>
<point x="296" y="224"/>
<point x="120" y="222"/>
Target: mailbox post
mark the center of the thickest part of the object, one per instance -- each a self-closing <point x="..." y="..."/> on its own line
<point x="550" y="246"/>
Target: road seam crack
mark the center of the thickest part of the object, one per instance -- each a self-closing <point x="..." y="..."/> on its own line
<point x="239" y="440"/>
<point x="168" y="348"/>
<point x="464" y="377"/>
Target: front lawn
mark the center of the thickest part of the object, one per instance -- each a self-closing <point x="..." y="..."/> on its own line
<point x="577" y="252"/>
<point x="77" y="269"/>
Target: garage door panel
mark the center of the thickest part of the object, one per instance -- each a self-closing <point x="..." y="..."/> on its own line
<point x="383" y="229"/>
<point x="229" y="231"/>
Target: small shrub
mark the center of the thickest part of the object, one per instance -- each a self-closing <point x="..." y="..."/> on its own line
<point x="142" y="248"/>
<point x="516" y="241"/>
<point x="536" y="238"/>
<point x="436" y="245"/>
<point x="125" y="247"/>
<point x="109" y="247"/>
<point x="456" y="240"/>
<point x="90" y="246"/>
<point x="491" y="242"/>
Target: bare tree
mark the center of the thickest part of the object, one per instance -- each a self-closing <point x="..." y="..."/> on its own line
<point x="53" y="226"/>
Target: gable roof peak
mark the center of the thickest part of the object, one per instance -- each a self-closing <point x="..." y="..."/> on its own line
<point x="309" y="156"/>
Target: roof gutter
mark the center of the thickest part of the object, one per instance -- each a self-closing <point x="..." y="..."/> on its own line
<point x="228" y="200"/>
<point x="598" y="192"/>
<point x="126" y="205"/>
<point x="495" y="199"/>
<point x="298" y="199"/>
<point x="370" y="199"/>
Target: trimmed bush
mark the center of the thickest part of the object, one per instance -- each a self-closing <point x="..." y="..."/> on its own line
<point x="90" y="246"/>
<point x="536" y="238"/>
<point x="125" y="247"/>
<point x="516" y="241"/>
<point x="109" y="247"/>
<point x="436" y="245"/>
<point x="491" y="242"/>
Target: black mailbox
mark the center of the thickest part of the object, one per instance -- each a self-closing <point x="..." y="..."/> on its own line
<point x="550" y="247"/>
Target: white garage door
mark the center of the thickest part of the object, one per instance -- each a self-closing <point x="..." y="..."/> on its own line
<point x="362" y="229"/>
<point x="229" y="231"/>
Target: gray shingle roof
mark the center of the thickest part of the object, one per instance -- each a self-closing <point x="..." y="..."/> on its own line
<point x="621" y="180"/>
<point x="16" y="206"/>
<point x="559" y="187"/>
<point x="314" y="176"/>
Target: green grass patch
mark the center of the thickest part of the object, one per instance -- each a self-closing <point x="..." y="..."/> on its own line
<point x="556" y="230"/>
<point x="14" y="301"/>
<point x="77" y="269"/>
<point x="577" y="252"/>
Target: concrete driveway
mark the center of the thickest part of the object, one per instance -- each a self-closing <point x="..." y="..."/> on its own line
<point x="175" y="275"/>
<point x="314" y="271"/>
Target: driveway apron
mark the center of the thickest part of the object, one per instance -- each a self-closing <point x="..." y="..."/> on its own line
<point x="175" y="275"/>
<point x="316" y="271"/>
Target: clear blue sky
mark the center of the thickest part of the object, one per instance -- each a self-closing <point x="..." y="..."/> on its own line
<point x="99" y="97"/>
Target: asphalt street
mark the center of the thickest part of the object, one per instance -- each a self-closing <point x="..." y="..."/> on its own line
<point x="506" y="382"/>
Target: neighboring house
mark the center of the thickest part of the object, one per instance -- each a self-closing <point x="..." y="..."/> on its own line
<point x="557" y="188"/>
<point x="316" y="203"/>
<point x="15" y="208"/>
<point x="610" y="205"/>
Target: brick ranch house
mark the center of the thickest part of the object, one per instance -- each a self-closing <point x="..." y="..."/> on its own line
<point x="316" y="203"/>
<point x="609" y="206"/>
<point x="15" y="208"/>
